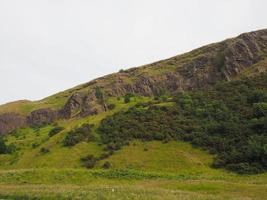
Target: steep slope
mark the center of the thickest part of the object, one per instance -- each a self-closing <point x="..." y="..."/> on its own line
<point x="201" y="68"/>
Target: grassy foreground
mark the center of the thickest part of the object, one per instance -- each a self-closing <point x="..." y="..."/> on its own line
<point x="141" y="170"/>
<point x="135" y="174"/>
<point x="126" y="184"/>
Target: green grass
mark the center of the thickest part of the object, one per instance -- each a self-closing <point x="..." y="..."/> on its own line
<point x="141" y="170"/>
<point x="125" y="184"/>
<point x="155" y="156"/>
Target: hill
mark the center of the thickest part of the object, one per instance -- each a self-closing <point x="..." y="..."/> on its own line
<point x="189" y="127"/>
<point x="200" y="68"/>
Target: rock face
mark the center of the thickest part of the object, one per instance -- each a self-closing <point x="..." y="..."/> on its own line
<point x="42" y="116"/>
<point x="11" y="121"/>
<point x="200" y="68"/>
<point x="81" y="105"/>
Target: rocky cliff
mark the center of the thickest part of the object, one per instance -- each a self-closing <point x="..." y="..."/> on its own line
<point x="199" y="68"/>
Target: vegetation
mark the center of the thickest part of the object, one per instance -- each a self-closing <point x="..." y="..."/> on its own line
<point x="55" y="131"/>
<point x="111" y="106"/>
<point x="106" y="165"/>
<point x="83" y="133"/>
<point x="44" y="150"/>
<point x="4" y="148"/>
<point x="127" y="98"/>
<point x="100" y="95"/>
<point x="229" y="120"/>
<point x="89" y="161"/>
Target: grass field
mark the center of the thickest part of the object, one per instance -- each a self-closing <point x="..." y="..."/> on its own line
<point x="173" y="170"/>
<point x="141" y="170"/>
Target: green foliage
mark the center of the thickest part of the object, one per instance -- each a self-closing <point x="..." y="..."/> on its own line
<point x="106" y="165"/>
<point x="220" y="61"/>
<point x="185" y="101"/>
<point x="55" y="131"/>
<point x="4" y="148"/>
<point x="260" y="109"/>
<point x="229" y="120"/>
<point x="111" y="106"/>
<point x="89" y="161"/>
<point x="100" y="95"/>
<point x="127" y="98"/>
<point x="35" y="145"/>
<point x="83" y="133"/>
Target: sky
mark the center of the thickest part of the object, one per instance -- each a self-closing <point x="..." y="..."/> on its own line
<point x="47" y="46"/>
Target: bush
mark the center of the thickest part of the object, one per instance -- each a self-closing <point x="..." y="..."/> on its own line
<point x="55" y="131"/>
<point x="6" y="149"/>
<point x="105" y="155"/>
<point x="83" y="133"/>
<point x="35" y="145"/>
<point x="89" y="161"/>
<point x="127" y="98"/>
<point x="111" y="106"/>
<point x="100" y="95"/>
<point x="44" y="150"/>
<point x="106" y="165"/>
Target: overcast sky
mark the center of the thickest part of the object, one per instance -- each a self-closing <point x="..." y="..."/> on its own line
<point x="50" y="45"/>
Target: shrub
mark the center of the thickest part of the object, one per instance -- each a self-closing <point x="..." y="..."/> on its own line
<point x="111" y="106"/>
<point x="100" y="95"/>
<point x="44" y="150"/>
<point x="260" y="109"/>
<point x="83" y="133"/>
<point x="105" y="155"/>
<point x="127" y="98"/>
<point x="4" y="148"/>
<point x="106" y="165"/>
<point x="55" y="131"/>
<point x="89" y="161"/>
<point x="35" y="145"/>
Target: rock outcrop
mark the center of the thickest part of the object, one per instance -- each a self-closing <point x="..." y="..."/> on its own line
<point x="81" y="104"/>
<point x="42" y="116"/>
<point x="11" y="121"/>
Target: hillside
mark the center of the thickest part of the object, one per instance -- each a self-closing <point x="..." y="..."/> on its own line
<point x="189" y="127"/>
<point x="200" y="68"/>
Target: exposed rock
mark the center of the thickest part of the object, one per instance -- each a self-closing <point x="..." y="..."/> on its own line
<point x="42" y="116"/>
<point x="11" y="121"/>
<point x="81" y="104"/>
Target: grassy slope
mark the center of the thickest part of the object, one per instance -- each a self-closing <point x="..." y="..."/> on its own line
<point x="174" y="170"/>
